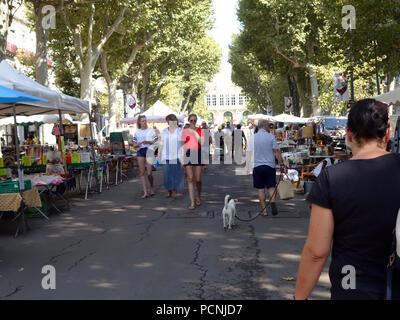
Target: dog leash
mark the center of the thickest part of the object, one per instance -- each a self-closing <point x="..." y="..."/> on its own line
<point x="269" y="202"/>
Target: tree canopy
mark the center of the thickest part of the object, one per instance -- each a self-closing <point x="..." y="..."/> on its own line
<point x="305" y="43"/>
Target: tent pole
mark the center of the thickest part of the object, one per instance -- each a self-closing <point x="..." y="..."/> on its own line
<point x="20" y="176"/>
<point x="93" y="152"/>
<point x="60" y="147"/>
<point x="61" y="124"/>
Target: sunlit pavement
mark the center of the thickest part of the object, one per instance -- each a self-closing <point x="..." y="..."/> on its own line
<point x="118" y="246"/>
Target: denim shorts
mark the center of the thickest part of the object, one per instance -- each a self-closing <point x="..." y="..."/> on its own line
<point x="142" y="153"/>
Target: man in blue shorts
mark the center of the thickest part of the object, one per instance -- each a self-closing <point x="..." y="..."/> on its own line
<point x="260" y="155"/>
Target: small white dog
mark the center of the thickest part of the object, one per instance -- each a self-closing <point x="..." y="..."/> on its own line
<point x="229" y="212"/>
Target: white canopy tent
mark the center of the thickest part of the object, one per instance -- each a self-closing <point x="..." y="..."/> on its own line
<point x="260" y="116"/>
<point x="45" y="118"/>
<point x="391" y="97"/>
<point x="156" y="113"/>
<point x="287" y="118"/>
<point x="13" y="79"/>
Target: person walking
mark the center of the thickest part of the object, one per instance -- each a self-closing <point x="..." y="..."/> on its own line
<point x="205" y="148"/>
<point x="227" y="131"/>
<point x="191" y="155"/>
<point x="238" y="137"/>
<point x="170" y="146"/>
<point x="143" y="141"/>
<point x="260" y="154"/>
<point x="228" y="126"/>
<point x="354" y="210"/>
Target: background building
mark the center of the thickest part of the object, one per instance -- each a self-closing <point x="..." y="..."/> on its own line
<point x="226" y="102"/>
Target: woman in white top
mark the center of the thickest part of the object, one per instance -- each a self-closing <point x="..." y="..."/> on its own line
<point x="169" y="152"/>
<point x="143" y="141"/>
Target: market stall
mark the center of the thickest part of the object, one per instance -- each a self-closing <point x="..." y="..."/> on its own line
<point x="46" y="102"/>
<point x="16" y="195"/>
<point x="306" y="145"/>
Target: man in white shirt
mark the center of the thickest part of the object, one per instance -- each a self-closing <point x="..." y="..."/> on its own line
<point x="261" y="152"/>
<point x="227" y="131"/>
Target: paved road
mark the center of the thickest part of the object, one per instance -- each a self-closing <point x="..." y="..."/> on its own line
<point x="118" y="246"/>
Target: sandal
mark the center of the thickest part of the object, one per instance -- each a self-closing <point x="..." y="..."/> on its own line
<point x="192" y="207"/>
<point x="168" y="195"/>
<point x="198" y="202"/>
<point x="144" y="196"/>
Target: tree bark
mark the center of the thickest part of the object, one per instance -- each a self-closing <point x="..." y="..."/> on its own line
<point x="305" y="107"/>
<point x="145" y="85"/>
<point x="316" y="110"/>
<point x="42" y="36"/>
<point x="4" y="25"/>
<point x="294" y="95"/>
<point x="185" y="102"/>
<point x="391" y="81"/>
<point x="112" y="94"/>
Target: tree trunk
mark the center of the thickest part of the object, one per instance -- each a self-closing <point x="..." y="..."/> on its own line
<point x="145" y="85"/>
<point x="93" y="50"/>
<point x="42" y="37"/>
<point x="4" y="25"/>
<point x="185" y="102"/>
<point x="112" y="94"/>
<point x="305" y="107"/>
<point x="316" y="110"/>
<point x="294" y="95"/>
<point x="391" y="81"/>
<point x="86" y="82"/>
<point x="112" y="104"/>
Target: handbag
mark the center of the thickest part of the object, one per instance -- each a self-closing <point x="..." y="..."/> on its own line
<point x="286" y="190"/>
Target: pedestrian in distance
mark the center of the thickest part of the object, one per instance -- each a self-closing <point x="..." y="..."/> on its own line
<point x="353" y="214"/>
<point x="169" y="150"/>
<point x="227" y="131"/>
<point x="205" y="148"/>
<point x="144" y="140"/>
<point x="261" y="152"/>
<point x="191" y="159"/>
<point x="239" y="141"/>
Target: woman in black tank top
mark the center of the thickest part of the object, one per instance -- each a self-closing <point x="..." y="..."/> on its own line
<point x="354" y="211"/>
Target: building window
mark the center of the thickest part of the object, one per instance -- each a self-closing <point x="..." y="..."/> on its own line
<point x="240" y="99"/>
<point x="208" y="100"/>
<point x="233" y="100"/>
<point x="214" y="99"/>
<point x="227" y="99"/>
<point x="221" y="99"/>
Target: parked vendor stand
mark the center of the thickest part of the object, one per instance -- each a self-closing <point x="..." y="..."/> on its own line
<point x="42" y="100"/>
